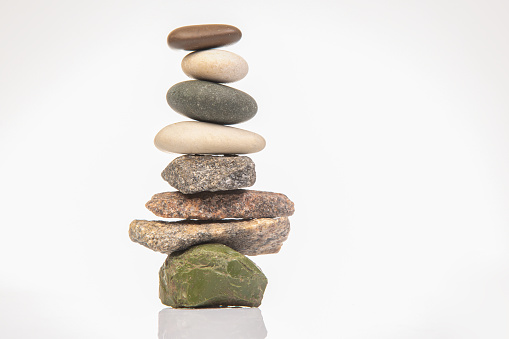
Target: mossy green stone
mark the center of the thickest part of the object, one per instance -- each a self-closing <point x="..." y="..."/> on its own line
<point x="210" y="275"/>
<point x="211" y="102"/>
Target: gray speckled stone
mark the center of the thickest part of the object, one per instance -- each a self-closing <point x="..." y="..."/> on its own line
<point x="193" y="173"/>
<point x="211" y="102"/>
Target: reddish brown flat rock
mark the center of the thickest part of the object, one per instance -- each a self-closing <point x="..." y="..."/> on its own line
<point x="196" y="37"/>
<point x="249" y="237"/>
<point x="238" y="204"/>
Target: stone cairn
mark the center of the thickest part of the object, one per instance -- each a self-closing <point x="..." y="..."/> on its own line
<point x="222" y="222"/>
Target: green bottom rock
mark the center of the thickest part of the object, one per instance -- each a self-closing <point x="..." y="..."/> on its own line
<point x="210" y="275"/>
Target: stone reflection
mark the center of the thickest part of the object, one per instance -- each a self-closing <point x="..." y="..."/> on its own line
<point x="211" y="323"/>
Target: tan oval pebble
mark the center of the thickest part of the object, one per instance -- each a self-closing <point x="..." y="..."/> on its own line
<point x="215" y="65"/>
<point x="194" y="137"/>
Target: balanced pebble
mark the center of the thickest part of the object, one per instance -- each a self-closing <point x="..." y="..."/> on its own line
<point x="247" y="236"/>
<point x="238" y="204"/>
<point x="211" y="102"/>
<point x="211" y="275"/>
<point x="193" y="137"/>
<point x="215" y="65"/>
<point x="198" y="173"/>
<point x="196" y="37"/>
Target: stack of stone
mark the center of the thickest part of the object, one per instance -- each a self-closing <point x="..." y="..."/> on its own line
<point x="206" y="264"/>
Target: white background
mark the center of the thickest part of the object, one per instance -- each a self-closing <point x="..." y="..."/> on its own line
<point x="387" y="123"/>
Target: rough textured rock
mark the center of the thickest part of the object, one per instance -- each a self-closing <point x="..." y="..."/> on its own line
<point x="249" y="237"/>
<point x="193" y="137"/>
<point x="197" y="37"/>
<point x="192" y="173"/>
<point x="210" y="275"/>
<point x="211" y="102"/>
<point x="240" y="204"/>
<point x="215" y="65"/>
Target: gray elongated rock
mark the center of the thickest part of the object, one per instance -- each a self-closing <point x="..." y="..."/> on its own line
<point x="210" y="102"/>
<point x="193" y="173"/>
<point x="249" y="237"/>
<point x="210" y="275"/>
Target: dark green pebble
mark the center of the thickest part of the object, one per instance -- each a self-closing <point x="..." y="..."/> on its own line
<point x="210" y="275"/>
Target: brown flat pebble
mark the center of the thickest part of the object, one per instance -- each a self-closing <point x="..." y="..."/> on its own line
<point x="239" y="204"/>
<point x="249" y="237"/>
<point x="197" y="37"/>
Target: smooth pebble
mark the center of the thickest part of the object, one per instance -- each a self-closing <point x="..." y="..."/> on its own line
<point x="197" y="37"/>
<point x="211" y="102"/>
<point x="215" y="65"/>
<point x="193" y="137"/>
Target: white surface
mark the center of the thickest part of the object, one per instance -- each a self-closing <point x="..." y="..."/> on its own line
<point x="387" y="123"/>
<point x="224" y="323"/>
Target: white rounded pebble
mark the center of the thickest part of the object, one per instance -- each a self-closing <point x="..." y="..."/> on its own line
<point x="194" y="137"/>
<point x="215" y="65"/>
